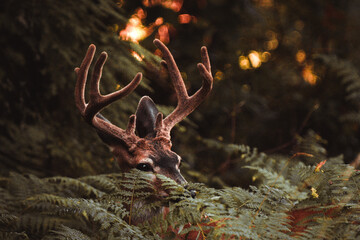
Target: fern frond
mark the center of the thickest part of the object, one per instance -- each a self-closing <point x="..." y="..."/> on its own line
<point x="74" y="187"/>
<point x="65" y="233"/>
<point x="14" y="236"/>
<point x="347" y="74"/>
<point x="100" y="183"/>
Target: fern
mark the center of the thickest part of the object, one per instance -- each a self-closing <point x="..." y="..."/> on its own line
<point x="14" y="236"/>
<point x="350" y="79"/>
<point x="292" y="200"/>
<point x="74" y="187"/>
<point x="65" y="233"/>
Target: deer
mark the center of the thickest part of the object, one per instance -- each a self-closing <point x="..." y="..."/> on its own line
<point x="145" y="144"/>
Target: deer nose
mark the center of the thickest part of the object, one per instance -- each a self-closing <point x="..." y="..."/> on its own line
<point x="192" y="191"/>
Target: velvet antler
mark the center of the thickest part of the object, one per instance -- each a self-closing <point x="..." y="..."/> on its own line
<point x="97" y="101"/>
<point x="186" y="104"/>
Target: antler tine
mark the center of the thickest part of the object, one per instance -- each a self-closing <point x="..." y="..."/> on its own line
<point x="82" y="73"/>
<point x="186" y="104"/>
<point x="174" y="72"/>
<point x="96" y="100"/>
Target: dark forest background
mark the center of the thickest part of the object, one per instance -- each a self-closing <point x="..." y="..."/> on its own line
<point x="284" y="71"/>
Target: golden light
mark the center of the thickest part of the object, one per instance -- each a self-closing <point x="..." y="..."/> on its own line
<point x="300" y="56"/>
<point x="120" y="3"/>
<point x="273" y="43"/>
<point x="163" y="34"/>
<point x="174" y="5"/>
<point x="184" y="18"/>
<point x="314" y="193"/>
<point x="219" y="75"/>
<point x="135" y="30"/>
<point x="308" y="74"/>
<point x="244" y="63"/>
<point x="265" y="56"/>
<point x="319" y="165"/>
<point x="159" y="21"/>
<point x="137" y="56"/>
<point x="265" y="3"/>
<point x="254" y="59"/>
<point x="140" y="13"/>
<point x="158" y="52"/>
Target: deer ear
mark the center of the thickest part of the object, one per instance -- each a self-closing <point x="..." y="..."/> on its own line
<point x="145" y="117"/>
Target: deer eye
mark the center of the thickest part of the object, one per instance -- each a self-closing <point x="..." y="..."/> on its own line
<point x="144" y="167"/>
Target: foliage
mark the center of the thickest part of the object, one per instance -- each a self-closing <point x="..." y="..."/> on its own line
<point x="301" y="100"/>
<point x="292" y="201"/>
<point x="45" y="41"/>
<point x="269" y="104"/>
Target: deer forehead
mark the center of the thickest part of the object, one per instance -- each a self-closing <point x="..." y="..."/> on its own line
<point x="152" y="147"/>
<point x="157" y="157"/>
<point x="156" y="153"/>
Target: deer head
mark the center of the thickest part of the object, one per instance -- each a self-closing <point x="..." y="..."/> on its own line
<point x="150" y="148"/>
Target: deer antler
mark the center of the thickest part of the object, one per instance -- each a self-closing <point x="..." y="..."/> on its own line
<point x="185" y="104"/>
<point x="97" y="101"/>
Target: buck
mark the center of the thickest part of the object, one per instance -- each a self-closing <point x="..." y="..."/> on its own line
<point x="150" y="149"/>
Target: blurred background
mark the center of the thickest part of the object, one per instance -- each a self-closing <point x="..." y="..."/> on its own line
<point x="285" y="80"/>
